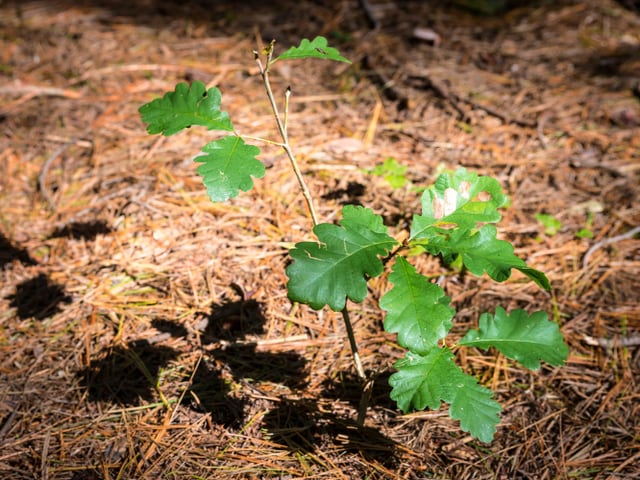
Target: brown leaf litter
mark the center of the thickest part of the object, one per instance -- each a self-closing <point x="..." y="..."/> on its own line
<point x="145" y="332"/>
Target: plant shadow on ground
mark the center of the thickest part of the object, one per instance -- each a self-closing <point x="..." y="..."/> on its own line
<point x="223" y="383"/>
<point x="118" y="375"/>
<point x="303" y="425"/>
<point x="82" y="230"/>
<point x="38" y="297"/>
<point x="128" y="374"/>
<point x="346" y="386"/>
<point x="174" y="329"/>
<point x="232" y="376"/>
<point x="9" y="253"/>
<point x="349" y="195"/>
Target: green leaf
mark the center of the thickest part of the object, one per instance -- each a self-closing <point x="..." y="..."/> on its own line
<point x="475" y="407"/>
<point x="458" y="199"/>
<point x="526" y="339"/>
<point x="482" y="252"/>
<point x="392" y="171"/>
<point x="465" y="127"/>
<point x="417" y="310"/>
<point x="455" y="213"/>
<point x="551" y="224"/>
<point x="228" y="166"/>
<point x="536" y="275"/>
<point x="183" y="107"/>
<point x="337" y="268"/>
<point x="584" y="233"/>
<point x="426" y="380"/>
<point x="317" y="48"/>
<point x="422" y="381"/>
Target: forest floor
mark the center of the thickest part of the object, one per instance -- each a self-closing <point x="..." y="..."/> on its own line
<point x="145" y="332"/>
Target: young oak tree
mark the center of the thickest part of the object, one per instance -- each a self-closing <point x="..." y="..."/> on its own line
<point x="456" y="223"/>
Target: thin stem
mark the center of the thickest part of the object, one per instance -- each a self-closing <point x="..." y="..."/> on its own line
<point x="354" y="345"/>
<point x="282" y="127"/>
<point x="287" y="96"/>
<point x="259" y="139"/>
<point x="264" y="72"/>
<point x="303" y="185"/>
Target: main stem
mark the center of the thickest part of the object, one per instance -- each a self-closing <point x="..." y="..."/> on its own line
<point x="354" y="345"/>
<point x="282" y="128"/>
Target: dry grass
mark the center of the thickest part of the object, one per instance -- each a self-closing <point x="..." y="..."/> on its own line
<point x="145" y="332"/>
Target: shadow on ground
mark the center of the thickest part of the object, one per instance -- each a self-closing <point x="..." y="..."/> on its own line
<point x="38" y="297"/>
<point x="126" y="374"/>
<point x="10" y="253"/>
<point x="228" y="376"/>
<point x="233" y="374"/>
<point x="234" y="369"/>
<point x="282" y="19"/>
<point x="303" y="427"/>
<point x="347" y="387"/>
<point x="82" y="230"/>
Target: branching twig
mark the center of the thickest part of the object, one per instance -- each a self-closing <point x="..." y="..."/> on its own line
<point x="264" y="72"/>
<point x="500" y="116"/>
<point x="282" y="127"/>
<point x="39" y="90"/>
<point x="444" y="93"/>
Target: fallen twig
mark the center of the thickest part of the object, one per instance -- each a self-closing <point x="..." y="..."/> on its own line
<point x="43" y="174"/>
<point x="38" y="90"/>
<point x="27" y="92"/>
<point x="47" y="164"/>
<point x="441" y="91"/>
<point x="495" y="113"/>
<point x="386" y="84"/>
<point x="608" y="241"/>
<point x="201" y="70"/>
<point x="368" y="11"/>
<point x="455" y="100"/>
<point x="609" y="343"/>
